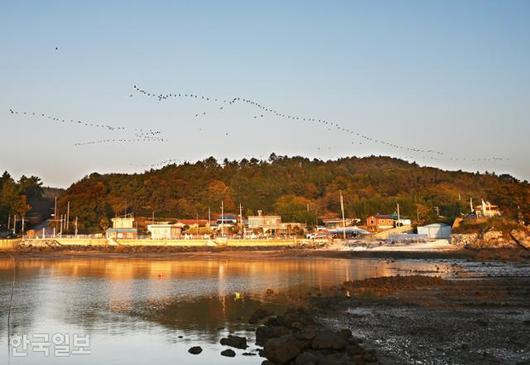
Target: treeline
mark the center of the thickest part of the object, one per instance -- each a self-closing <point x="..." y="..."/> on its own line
<point x="18" y="197"/>
<point x="297" y="188"/>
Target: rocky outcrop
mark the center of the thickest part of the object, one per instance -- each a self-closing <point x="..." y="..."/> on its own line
<point x="489" y="239"/>
<point x="522" y="237"/>
<point x="228" y="353"/>
<point x="258" y="315"/>
<point x="465" y="239"/>
<point x="195" y="350"/>
<point x="235" y="341"/>
<point x="295" y="338"/>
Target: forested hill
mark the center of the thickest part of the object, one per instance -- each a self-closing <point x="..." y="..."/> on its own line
<point x="297" y="188"/>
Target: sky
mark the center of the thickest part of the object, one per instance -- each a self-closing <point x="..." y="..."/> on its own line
<point x="451" y="76"/>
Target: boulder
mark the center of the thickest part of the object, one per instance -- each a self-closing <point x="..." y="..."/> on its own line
<point x="228" y="353"/>
<point x="195" y="350"/>
<point x="258" y="315"/>
<point x="283" y="349"/>
<point x="235" y="341"/>
<point x="264" y="333"/>
<point x="337" y="359"/>
<point x="307" y="358"/>
<point x="328" y="340"/>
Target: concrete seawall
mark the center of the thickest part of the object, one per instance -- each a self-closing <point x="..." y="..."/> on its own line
<point x="8" y="245"/>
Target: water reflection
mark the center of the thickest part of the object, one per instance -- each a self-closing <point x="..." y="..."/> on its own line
<point x="162" y="305"/>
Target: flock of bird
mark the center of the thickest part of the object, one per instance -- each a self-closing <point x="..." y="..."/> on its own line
<point x="122" y="140"/>
<point x="142" y="135"/>
<point x="150" y="135"/>
<point x="329" y="125"/>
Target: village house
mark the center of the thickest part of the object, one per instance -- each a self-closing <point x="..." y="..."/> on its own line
<point x="228" y="220"/>
<point x="379" y="222"/>
<point x="333" y="223"/>
<point x="291" y="228"/>
<point x="267" y="223"/>
<point x="487" y="210"/>
<point x="194" y="223"/>
<point x="165" y="231"/>
<point x="122" y="228"/>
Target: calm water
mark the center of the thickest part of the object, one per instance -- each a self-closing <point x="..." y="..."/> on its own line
<point x="138" y="311"/>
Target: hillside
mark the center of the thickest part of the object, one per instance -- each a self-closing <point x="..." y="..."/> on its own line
<point x="297" y="188"/>
<point x="25" y="197"/>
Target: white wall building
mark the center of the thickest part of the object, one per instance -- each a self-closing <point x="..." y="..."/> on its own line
<point x="435" y="230"/>
<point x="165" y="231"/>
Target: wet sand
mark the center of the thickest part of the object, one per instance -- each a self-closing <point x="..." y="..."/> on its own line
<point x="428" y="320"/>
<point x="510" y="254"/>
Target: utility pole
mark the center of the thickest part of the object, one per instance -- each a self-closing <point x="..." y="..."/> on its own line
<point x="197" y="224"/>
<point x="61" y="227"/>
<point x="55" y="214"/>
<point x="471" y="204"/>
<point x="343" y="219"/>
<point x="398" y="216"/>
<point x="241" y="219"/>
<point x="76" y="226"/>
<point x="68" y="217"/>
<point x="15" y="224"/>
<point x="9" y="222"/>
<point x="222" y="218"/>
<point x="22" y="226"/>
<point x="153" y="217"/>
<point x="209" y="217"/>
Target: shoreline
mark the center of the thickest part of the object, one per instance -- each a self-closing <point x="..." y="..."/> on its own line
<point x="248" y="252"/>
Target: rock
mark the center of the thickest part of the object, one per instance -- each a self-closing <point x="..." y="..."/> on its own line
<point x="195" y="350"/>
<point x="522" y="237"/>
<point x="327" y="340"/>
<point x="283" y="349"/>
<point x="235" y="341"/>
<point x="258" y="315"/>
<point x="306" y="334"/>
<point x="264" y="333"/>
<point x="337" y="359"/>
<point x="346" y="334"/>
<point x="228" y="353"/>
<point x="297" y="319"/>
<point x="307" y="358"/>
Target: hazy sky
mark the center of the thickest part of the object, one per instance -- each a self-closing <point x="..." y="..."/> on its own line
<point x="448" y="75"/>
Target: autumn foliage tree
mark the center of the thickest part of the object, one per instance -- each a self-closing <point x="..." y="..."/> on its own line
<point x="297" y="188"/>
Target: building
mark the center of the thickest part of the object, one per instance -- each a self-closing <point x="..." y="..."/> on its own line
<point x="194" y="223"/>
<point x="350" y="232"/>
<point x="165" y="231"/>
<point x="379" y="222"/>
<point x="435" y="230"/>
<point x="268" y="223"/>
<point x="292" y="228"/>
<point x="333" y="223"/>
<point x="122" y="228"/>
<point x="227" y="220"/>
<point x="488" y="210"/>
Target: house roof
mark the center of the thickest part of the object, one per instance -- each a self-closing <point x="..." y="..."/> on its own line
<point x="121" y="230"/>
<point x="435" y="225"/>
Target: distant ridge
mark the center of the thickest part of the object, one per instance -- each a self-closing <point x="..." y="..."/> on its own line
<point x="298" y="188"/>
